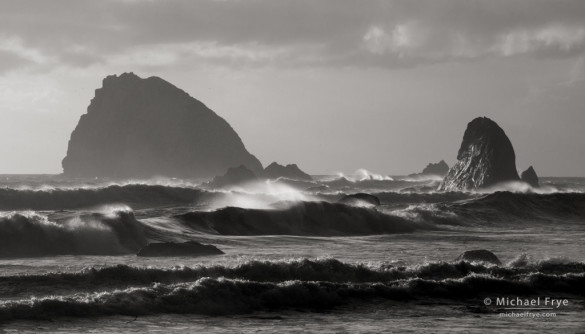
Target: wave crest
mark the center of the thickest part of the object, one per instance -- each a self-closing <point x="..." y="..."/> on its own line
<point x="300" y="218"/>
<point x="25" y="234"/>
<point x="224" y="296"/>
<point x="136" y="195"/>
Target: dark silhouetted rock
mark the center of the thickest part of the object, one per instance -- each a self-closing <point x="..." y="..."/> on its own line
<point x="274" y="171"/>
<point x="189" y="248"/>
<point x="138" y="127"/>
<point x="486" y="157"/>
<point x="233" y="177"/>
<point x="480" y="255"/>
<point x="529" y="176"/>
<point x="360" y="199"/>
<point x="440" y="168"/>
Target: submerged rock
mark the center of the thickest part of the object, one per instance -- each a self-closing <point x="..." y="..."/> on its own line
<point x="529" y="176"/>
<point x="233" y="177"/>
<point x="360" y="199"/>
<point x="189" y="248"/>
<point x="292" y="171"/>
<point x="485" y="158"/>
<point x="138" y="127"/>
<point x="480" y="255"/>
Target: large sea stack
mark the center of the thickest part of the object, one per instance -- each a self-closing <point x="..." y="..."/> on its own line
<point x="486" y="157"/>
<point x="138" y="127"/>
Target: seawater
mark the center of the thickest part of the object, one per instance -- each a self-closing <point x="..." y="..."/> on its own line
<point x="284" y="283"/>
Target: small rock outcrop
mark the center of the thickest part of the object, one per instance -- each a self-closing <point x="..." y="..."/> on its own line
<point x="233" y="177"/>
<point x="189" y="248"/>
<point x="485" y="158"/>
<point x="360" y="199"/>
<point x="480" y="255"/>
<point x="292" y="171"/>
<point x="138" y="127"/>
<point x="529" y="176"/>
<point x="440" y="168"/>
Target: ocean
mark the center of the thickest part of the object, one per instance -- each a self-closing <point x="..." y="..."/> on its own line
<point x="295" y="260"/>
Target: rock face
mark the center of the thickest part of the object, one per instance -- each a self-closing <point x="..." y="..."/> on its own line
<point x="529" y="176"/>
<point x="440" y="168"/>
<point x="138" y="127"/>
<point x="486" y="157"/>
<point x="480" y="255"/>
<point x="233" y="177"/>
<point x="275" y="170"/>
<point x="189" y="248"/>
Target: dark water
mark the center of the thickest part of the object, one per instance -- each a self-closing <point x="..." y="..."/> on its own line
<point x="294" y="260"/>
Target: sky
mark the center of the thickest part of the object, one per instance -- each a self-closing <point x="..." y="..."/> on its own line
<point x="332" y="85"/>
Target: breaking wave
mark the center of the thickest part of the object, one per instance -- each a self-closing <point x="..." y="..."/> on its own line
<point x="406" y="213"/>
<point x="269" y="286"/>
<point x="115" y="231"/>
<point x="136" y="195"/>
<point x="496" y="208"/>
<point x="506" y="205"/>
<point x="299" y="218"/>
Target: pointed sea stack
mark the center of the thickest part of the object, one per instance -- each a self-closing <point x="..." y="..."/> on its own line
<point x="292" y="171"/>
<point x="529" y="176"/>
<point x="486" y="157"/>
<point x="138" y="127"/>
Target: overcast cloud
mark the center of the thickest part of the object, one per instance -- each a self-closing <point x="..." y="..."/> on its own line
<point x="287" y="32"/>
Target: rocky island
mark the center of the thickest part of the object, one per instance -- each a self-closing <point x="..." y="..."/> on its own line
<point x="138" y="127"/>
<point x="486" y="157"/>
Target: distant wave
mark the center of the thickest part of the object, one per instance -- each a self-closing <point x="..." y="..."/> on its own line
<point x="299" y="218"/>
<point x="24" y="234"/>
<point x="401" y="213"/>
<point x="136" y="195"/>
<point x="505" y="205"/>
<point x="497" y="208"/>
<point x="392" y="198"/>
<point x="269" y="286"/>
